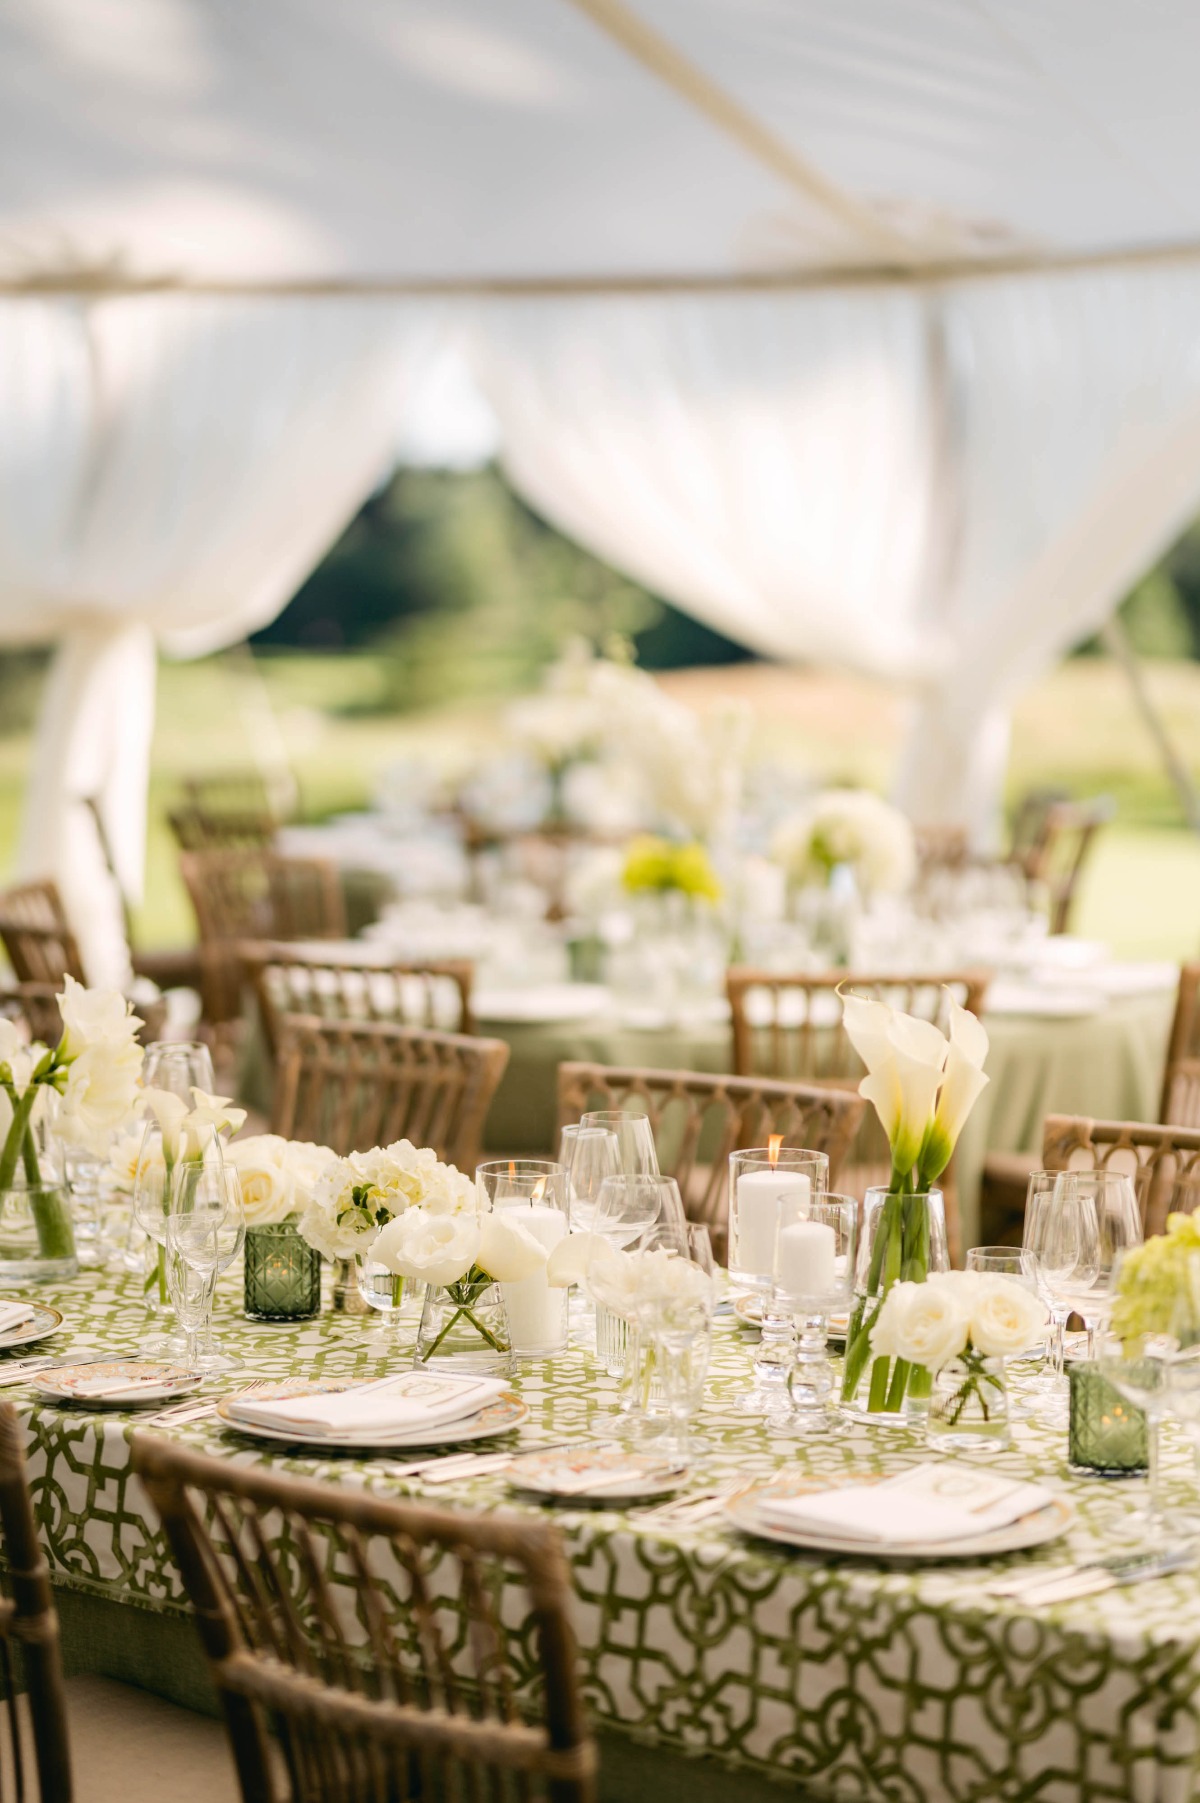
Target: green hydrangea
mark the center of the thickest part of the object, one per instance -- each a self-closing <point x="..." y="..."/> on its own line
<point x="1160" y="1282"/>
<point x="652" y="863"/>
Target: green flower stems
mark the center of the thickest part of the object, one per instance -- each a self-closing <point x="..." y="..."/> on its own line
<point x="900" y="1253"/>
<point x="973" y="1385"/>
<point x="56" y="1238"/>
<point x="465" y="1293"/>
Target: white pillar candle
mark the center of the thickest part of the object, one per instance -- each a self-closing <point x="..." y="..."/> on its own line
<point x="759" y="1194"/>
<point x="537" y="1315"/>
<point x="807" y="1259"/>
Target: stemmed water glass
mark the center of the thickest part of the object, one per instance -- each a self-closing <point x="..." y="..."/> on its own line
<point x="1062" y="1237"/>
<point x="635" y="1138"/>
<point x="626" y="1209"/>
<point x="204" y="1229"/>
<point x="588" y="1155"/>
<point x="1119" y="1226"/>
<point x="674" y="1296"/>
<point x="179" y="1065"/>
<point x="1016" y="1263"/>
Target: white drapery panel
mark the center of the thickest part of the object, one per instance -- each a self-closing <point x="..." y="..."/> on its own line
<point x="170" y="470"/>
<point x="947" y="490"/>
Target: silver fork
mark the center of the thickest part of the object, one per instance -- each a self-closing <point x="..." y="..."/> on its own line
<point x="683" y="1510"/>
<point x="199" y="1408"/>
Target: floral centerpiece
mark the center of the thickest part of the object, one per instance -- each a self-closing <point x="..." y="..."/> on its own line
<point x="959" y="1326"/>
<point x="281" y="1273"/>
<point x="1159" y="1282"/>
<point x="175" y="1140"/>
<point x="94" y="1068"/>
<point x="463" y="1254"/>
<point x="850" y="828"/>
<point x="922" y="1086"/>
<point x="654" y="865"/>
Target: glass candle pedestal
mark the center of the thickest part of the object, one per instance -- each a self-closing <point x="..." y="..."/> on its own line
<point x="1107" y="1435"/>
<point x="282" y="1274"/>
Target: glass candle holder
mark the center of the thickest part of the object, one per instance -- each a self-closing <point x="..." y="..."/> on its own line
<point x="282" y="1274"/>
<point x="1106" y="1434"/>
<point x="763" y="1182"/>
<point x="534" y="1190"/>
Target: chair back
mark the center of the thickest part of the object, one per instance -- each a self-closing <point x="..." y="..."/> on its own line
<point x="33" y="927"/>
<point x="356" y="1084"/>
<point x="30" y="1656"/>
<point x="698" y="1119"/>
<point x="791" y="1026"/>
<point x="356" y="981"/>
<point x="1180" y="1103"/>
<point x="392" y="1651"/>
<point x="1163" y="1162"/>
<point x="1052" y="837"/>
<point x="249" y="894"/>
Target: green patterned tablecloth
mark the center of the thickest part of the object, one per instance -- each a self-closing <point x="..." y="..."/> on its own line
<point x="852" y="1680"/>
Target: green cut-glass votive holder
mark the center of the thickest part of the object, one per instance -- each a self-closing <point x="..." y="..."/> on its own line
<point x="1107" y="1435"/>
<point x="282" y="1279"/>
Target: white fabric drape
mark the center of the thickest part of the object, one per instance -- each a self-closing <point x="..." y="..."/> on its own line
<point x="170" y="469"/>
<point x="944" y="490"/>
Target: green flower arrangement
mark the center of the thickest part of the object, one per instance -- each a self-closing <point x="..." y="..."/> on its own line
<point x="1157" y="1279"/>
<point x="661" y="864"/>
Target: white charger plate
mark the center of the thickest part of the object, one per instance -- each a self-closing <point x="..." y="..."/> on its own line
<point x="751" y="1513"/>
<point x="43" y="1320"/>
<point x="499" y="1417"/>
<point x="540" y="1474"/>
<point x="140" y="1380"/>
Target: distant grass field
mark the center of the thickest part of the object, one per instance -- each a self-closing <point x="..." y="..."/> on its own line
<point x="1078" y="729"/>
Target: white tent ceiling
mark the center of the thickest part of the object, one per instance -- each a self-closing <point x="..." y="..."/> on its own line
<point x="867" y="331"/>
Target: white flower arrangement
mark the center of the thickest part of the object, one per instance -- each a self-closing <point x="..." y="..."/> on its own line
<point x="956" y="1315"/>
<point x="852" y="827"/>
<point x="354" y="1198"/>
<point x="278" y="1176"/>
<point x="186" y="1133"/>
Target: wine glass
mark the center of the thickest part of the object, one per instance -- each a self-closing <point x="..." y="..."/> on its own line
<point x="814" y="1260"/>
<point x="178" y="1065"/>
<point x="635" y="1138"/>
<point x="626" y="1209"/>
<point x="1017" y="1263"/>
<point x="588" y="1155"/>
<point x="1119" y="1226"/>
<point x="674" y="1298"/>
<point x="1062" y="1236"/>
<point x="205" y="1227"/>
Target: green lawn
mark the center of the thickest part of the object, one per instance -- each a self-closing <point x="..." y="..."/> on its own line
<point x="1078" y="729"/>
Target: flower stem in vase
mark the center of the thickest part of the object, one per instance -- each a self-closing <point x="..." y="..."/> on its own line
<point x="51" y="1214"/>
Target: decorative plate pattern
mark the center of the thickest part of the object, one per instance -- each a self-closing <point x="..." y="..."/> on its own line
<point x="500" y="1417"/>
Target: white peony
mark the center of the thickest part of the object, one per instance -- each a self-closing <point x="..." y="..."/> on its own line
<point x="433" y="1248"/>
<point x="508" y="1251"/>
<point x="94" y="1018"/>
<point x="1006" y="1318"/>
<point x="926" y="1323"/>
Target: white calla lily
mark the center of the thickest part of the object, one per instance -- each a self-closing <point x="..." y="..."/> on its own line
<point x="963" y="1083"/>
<point x="905" y="1060"/>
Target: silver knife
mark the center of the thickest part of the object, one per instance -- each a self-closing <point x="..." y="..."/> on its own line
<point x="17" y="1373"/>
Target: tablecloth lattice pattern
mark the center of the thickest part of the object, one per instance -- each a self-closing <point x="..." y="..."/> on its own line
<point x="860" y="1681"/>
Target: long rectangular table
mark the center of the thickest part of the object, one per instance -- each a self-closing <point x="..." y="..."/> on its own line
<point x="839" y="1677"/>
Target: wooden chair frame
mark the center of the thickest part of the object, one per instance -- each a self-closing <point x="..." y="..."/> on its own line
<point x="37" y="936"/>
<point x="29" y="1621"/>
<point x="356" y="1084"/>
<point x="335" y="982"/>
<point x="746" y="1109"/>
<point x="1180" y="1103"/>
<point x="357" y="1723"/>
<point x="1164" y="1162"/>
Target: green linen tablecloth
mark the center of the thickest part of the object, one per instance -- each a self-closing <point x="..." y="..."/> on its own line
<point x="1107" y="1065"/>
<point x="844" y="1679"/>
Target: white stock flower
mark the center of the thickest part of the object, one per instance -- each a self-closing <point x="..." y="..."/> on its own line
<point x="508" y="1251"/>
<point x="95" y="1018"/>
<point x="926" y="1323"/>
<point x="905" y="1058"/>
<point x="100" y="1094"/>
<point x="1006" y="1318"/>
<point x="433" y="1248"/>
<point x="963" y="1083"/>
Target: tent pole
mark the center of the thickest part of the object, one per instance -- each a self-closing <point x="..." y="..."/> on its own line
<point x="1115" y="639"/>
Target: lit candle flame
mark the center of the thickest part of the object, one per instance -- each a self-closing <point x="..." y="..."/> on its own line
<point x="774" y="1142"/>
<point x="512" y="1170"/>
<point x="539" y="1190"/>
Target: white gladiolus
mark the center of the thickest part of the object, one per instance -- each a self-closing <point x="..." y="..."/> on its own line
<point x="508" y="1251"/>
<point x="433" y="1248"/>
<point x="1006" y="1318"/>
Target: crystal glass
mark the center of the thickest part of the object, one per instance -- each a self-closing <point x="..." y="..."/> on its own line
<point x="1014" y="1262"/>
<point x="204" y="1227"/>
<point x="968" y="1406"/>
<point x="465" y="1326"/>
<point x="178" y="1065"/>
<point x="1107" y="1434"/>
<point x="1118" y="1227"/>
<point x="385" y="1292"/>
<point x="635" y="1138"/>
<point x="626" y="1209"/>
<point x="673" y="1302"/>
<point x="534" y="1191"/>
<point x="281" y="1275"/>
<point x="588" y="1155"/>
<point x="1062" y="1236"/>
<point x="815" y="1246"/>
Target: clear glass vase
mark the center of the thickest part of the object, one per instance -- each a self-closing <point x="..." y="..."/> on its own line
<point x="465" y="1324"/>
<point x="968" y="1406"/>
<point x="37" y="1240"/>
<point x="903" y="1239"/>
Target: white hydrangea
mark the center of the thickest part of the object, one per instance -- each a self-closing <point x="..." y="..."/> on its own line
<point x="847" y="826"/>
<point x="354" y="1197"/>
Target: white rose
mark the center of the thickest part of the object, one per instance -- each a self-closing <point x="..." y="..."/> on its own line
<point x="507" y="1250"/>
<point x="100" y="1094"/>
<point x="1005" y="1316"/>
<point x="568" y="1263"/>
<point x="437" y="1249"/>
<point x="925" y="1323"/>
<point x="93" y="1018"/>
<point x="261" y="1163"/>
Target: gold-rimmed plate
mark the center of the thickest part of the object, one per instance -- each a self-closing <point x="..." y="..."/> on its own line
<point x="42" y="1320"/>
<point x="115" y="1383"/>
<point x="499" y="1417"/>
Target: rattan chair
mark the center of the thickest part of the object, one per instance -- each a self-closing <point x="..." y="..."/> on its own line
<point x="226" y="809"/>
<point x="30" y="1659"/>
<point x="1181" y="1077"/>
<point x="37" y="937"/>
<point x="357" y="981"/>
<point x="698" y="1119"/>
<point x="1052" y="837"/>
<point x="1164" y="1162"/>
<point x="356" y="1084"/>
<point x="392" y="1651"/>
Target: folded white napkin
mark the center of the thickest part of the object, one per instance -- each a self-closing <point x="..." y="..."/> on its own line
<point x="14" y="1314"/>
<point x="929" y="1502"/>
<point x="410" y="1399"/>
